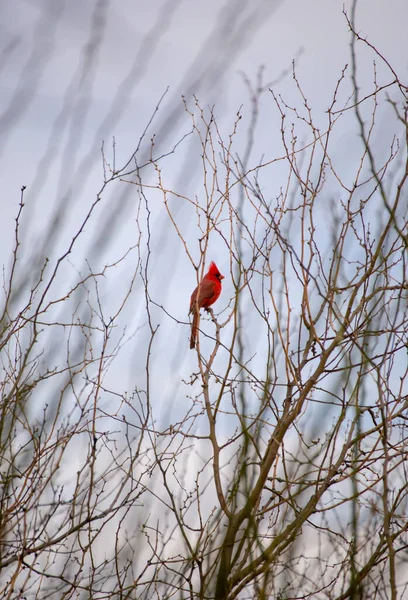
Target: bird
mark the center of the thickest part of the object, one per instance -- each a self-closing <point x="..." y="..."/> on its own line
<point x="205" y="294"/>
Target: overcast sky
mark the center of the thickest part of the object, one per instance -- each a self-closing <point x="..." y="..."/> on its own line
<point x="161" y="44"/>
<point x="75" y="73"/>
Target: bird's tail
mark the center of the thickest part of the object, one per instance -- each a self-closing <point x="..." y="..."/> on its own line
<point x="194" y="329"/>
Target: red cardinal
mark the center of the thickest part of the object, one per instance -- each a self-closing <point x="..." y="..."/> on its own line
<point x="208" y="291"/>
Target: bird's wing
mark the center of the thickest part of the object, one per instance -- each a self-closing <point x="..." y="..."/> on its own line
<point x="207" y="289"/>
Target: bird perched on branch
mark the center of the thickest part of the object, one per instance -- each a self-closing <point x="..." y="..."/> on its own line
<point x="205" y="294"/>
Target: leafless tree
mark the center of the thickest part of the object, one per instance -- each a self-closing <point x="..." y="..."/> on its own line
<point x="280" y="469"/>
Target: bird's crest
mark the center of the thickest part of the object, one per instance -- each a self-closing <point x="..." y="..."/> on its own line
<point x="213" y="270"/>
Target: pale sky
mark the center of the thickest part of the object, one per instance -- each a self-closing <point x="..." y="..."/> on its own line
<point x="62" y="95"/>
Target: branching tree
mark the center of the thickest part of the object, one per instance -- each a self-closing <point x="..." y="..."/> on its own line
<point x="279" y="470"/>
